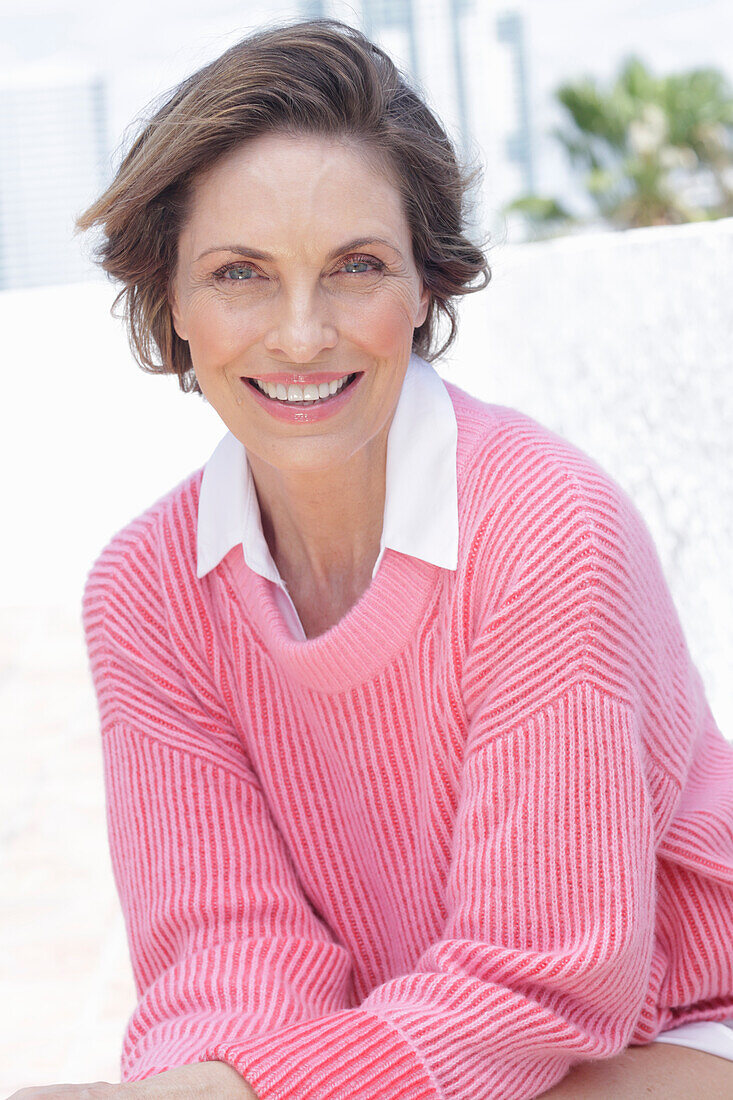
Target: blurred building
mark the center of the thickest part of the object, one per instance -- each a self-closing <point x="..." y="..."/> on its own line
<point x="466" y="56"/>
<point x="469" y="59"/>
<point x="53" y="153"/>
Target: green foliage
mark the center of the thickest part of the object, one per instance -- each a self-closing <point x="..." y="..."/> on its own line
<point x="539" y="209"/>
<point x="642" y="147"/>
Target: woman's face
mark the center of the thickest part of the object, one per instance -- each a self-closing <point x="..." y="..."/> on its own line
<point x="295" y="267"/>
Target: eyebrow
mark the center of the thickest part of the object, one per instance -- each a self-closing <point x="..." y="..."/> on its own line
<point x="258" y="254"/>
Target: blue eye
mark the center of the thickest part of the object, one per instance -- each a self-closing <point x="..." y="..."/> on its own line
<point x="240" y="273"/>
<point x="362" y="265"/>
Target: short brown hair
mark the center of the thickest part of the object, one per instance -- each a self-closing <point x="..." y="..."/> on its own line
<point x="320" y="76"/>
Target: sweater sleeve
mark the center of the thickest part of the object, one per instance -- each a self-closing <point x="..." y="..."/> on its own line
<point x="544" y="959"/>
<point x="222" y="940"/>
<point x="547" y="956"/>
<point x="584" y="718"/>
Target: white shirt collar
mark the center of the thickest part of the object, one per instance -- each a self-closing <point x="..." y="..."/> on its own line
<point x="421" y="492"/>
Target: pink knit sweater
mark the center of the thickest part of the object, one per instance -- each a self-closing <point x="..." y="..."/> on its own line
<point x="478" y="831"/>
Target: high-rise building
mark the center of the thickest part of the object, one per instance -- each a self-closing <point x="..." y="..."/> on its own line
<point x="53" y="154"/>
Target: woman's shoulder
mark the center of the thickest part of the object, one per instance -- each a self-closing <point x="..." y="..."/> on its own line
<point x="536" y="511"/>
<point x="486" y="429"/>
<point x="149" y="636"/>
<point x="509" y="463"/>
<point x="133" y="566"/>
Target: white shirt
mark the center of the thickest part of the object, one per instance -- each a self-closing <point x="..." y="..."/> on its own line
<point x="420" y="519"/>
<point x="421" y="492"/>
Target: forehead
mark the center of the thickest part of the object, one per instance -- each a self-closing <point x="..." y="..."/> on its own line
<point x="293" y="186"/>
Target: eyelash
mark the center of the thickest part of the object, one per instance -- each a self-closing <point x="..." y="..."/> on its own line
<point x="378" y="265"/>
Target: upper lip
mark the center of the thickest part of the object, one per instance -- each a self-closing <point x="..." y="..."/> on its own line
<point x="313" y="379"/>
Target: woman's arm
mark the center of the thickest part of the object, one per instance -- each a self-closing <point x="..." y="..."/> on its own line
<point x="224" y="945"/>
<point x="663" y="1070"/>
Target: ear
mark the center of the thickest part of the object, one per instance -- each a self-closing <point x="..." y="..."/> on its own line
<point x="175" y="309"/>
<point x="424" y="306"/>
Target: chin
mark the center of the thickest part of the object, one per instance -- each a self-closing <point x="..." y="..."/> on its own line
<point x="304" y="455"/>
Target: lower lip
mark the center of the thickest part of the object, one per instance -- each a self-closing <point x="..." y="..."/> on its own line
<point x="297" y="414"/>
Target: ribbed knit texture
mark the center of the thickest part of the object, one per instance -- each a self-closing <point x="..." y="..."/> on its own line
<point x="478" y="831"/>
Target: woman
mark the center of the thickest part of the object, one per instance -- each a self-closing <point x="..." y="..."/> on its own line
<point x="412" y="787"/>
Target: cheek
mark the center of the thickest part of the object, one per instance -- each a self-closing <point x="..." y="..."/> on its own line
<point x="220" y="333"/>
<point x="383" y="324"/>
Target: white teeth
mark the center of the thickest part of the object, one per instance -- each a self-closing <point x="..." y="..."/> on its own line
<point x="295" y="393"/>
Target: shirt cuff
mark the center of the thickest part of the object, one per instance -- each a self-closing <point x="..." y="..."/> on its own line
<point x="349" y="1053"/>
<point x="711" y="1036"/>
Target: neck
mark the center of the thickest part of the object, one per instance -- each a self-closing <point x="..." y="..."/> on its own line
<point x="323" y="527"/>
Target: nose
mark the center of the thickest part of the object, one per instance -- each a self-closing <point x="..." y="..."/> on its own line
<point x="301" y="326"/>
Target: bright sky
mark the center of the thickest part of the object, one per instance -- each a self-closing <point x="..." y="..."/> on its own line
<point x="154" y="43"/>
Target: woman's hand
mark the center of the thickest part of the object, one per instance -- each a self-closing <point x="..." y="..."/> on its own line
<point x="664" y="1070"/>
<point x="197" y="1082"/>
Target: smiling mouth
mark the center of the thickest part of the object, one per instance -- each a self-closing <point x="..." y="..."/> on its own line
<point x="295" y="395"/>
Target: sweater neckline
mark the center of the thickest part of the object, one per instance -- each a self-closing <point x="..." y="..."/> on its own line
<point x="361" y="643"/>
